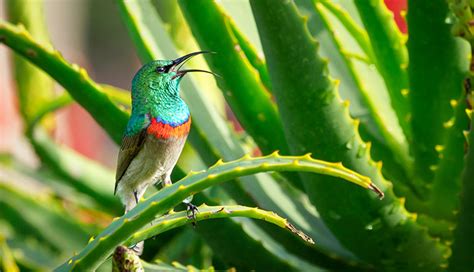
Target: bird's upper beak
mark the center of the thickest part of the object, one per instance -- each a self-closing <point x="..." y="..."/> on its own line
<point x="179" y="62"/>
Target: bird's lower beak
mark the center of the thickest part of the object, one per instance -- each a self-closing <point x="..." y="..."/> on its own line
<point x="179" y="62"/>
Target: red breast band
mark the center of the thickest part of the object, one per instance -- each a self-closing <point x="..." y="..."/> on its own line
<point x="164" y="131"/>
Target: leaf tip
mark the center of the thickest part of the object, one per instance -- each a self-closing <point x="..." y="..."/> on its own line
<point x="376" y="190"/>
<point x="298" y="232"/>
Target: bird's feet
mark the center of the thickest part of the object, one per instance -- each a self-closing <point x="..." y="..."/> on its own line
<point x="191" y="211"/>
<point x="138" y="248"/>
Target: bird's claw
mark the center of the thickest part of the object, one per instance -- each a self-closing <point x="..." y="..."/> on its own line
<point x="191" y="211"/>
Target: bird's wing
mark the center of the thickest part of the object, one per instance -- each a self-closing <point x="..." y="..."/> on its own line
<point x="130" y="147"/>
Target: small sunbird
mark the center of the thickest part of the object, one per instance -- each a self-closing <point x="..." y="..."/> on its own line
<point x="156" y="132"/>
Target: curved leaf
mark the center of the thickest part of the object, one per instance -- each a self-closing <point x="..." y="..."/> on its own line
<point x="177" y="219"/>
<point x="359" y="34"/>
<point x="102" y="246"/>
<point x="461" y="259"/>
<point x="251" y="55"/>
<point x="396" y="142"/>
<point x="391" y="55"/>
<point x="437" y="75"/>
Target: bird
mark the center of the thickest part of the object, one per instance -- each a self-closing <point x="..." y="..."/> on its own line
<point x="156" y="132"/>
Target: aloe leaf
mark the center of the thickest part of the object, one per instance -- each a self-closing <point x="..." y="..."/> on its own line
<point x="74" y="79"/>
<point x="447" y="65"/>
<point x="444" y="199"/>
<point x="249" y="251"/>
<point x="461" y="259"/>
<point x="241" y="86"/>
<point x="310" y="99"/>
<point x="372" y="89"/>
<point x="397" y="143"/>
<point x="337" y="66"/>
<point x="254" y="250"/>
<point x="216" y="234"/>
<point x="98" y="249"/>
<point x="251" y="54"/>
<point x="120" y="97"/>
<point x="246" y="95"/>
<point x="359" y="34"/>
<point x="390" y="53"/>
<point x="177" y="219"/>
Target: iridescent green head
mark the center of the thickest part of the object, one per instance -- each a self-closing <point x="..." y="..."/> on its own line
<point x="155" y="90"/>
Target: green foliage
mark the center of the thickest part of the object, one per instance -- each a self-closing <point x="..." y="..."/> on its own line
<point x="102" y="246"/>
<point x="409" y="102"/>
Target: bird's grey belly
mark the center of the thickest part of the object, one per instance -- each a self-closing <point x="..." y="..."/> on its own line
<point x="154" y="161"/>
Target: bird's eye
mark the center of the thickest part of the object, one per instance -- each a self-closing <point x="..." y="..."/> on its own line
<point x="161" y="69"/>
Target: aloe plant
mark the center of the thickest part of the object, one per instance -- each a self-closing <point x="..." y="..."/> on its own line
<point x="336" y="89"/>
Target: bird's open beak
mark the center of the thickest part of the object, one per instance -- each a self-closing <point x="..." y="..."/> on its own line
<point x="179" y="62"/>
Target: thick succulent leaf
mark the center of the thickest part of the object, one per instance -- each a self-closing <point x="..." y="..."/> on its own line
<point x="349" y="64"/>
<point x="162" y="201"/>
<point x="251" y="54"/>
<point x="240" y="84"/>
<point x="357" y="32"/>
<point x="390" y="55"/>
<point x="259" y="190"/>
<point x="436" y="78"/>
<point x="261" y="252"/>
<point x="444" y="200"/>
<point x="178" y="219"/>
<point x="310" y="99"/>
<point x="385" y="123"/>
<point x="74" y="79"/>
<point x="262" y="249"/>
<point x="461" y="259"/>
<point x="259" y="256"/>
